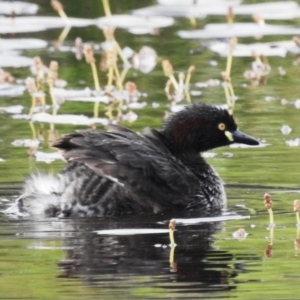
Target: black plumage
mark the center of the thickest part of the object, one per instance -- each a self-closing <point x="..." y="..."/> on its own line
<point x="120" y="171"/>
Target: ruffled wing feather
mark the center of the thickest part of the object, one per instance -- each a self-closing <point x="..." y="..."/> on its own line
<point x="139" y="162"/>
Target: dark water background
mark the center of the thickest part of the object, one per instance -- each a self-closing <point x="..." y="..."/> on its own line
<point x="68" y="259"/>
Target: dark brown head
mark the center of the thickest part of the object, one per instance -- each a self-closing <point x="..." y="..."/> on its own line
<point x="201" y="127"/>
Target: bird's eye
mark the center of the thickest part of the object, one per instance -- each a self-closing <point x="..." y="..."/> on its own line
<point x="221" y="126"/>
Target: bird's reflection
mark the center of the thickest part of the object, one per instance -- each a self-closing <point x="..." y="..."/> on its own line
<point x="193" y="264"/>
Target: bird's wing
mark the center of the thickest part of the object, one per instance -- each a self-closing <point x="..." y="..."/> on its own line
<point x="140" y="162"/>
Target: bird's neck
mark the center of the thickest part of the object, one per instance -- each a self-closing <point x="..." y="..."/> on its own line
<point x="186" y="141"/>
<point x="195" y="162"/>
<point x="188" y="156"/>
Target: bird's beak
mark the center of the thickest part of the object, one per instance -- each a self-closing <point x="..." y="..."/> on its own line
<point x="240" y="137"/>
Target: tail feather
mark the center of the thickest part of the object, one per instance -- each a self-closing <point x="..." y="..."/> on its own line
<point x="41" y="196"/>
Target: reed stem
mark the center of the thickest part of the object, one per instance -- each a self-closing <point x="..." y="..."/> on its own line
<point x="106" y="7"/>
<point x="172" y="226"/>
<point x="271" y="215"/>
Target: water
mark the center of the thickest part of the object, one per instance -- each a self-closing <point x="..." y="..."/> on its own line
<point x="71" y="259"/>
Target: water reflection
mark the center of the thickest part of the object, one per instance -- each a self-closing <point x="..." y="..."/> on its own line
<point x="145" y="260"/>
<point x="101" y="257"/>
<point x="140" y="262"/>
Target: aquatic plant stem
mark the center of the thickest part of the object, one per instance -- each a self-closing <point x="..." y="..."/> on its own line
<point x="171" y="256"/>
<point x="54" y="104"/>
<point x="123" y="75"/>
<point x="169" y="72"/>
<point x="119" y="83"/>
<point x="232" y="44"/>
<point x="172" y="226"/>
<point x="227" y="94"/>
<point x="40" y="87"/>
<point x="53" y="100"/>
<point x="110" y="76"/>
<point x="174" y="82"/>
<point x="173" y="264"/>
<point x="188" y="97"/>
<point x="229" y="62"/>
<point x="106" y="7"/>
<point x="95" y="76"/>
<point x="97" y="88"/>
<point x="33" y="104"/>
<point x="297" y="211"/>
<point x="190" y="72"/>
<point x="64" y="34"/>
<point x="230" y="15"/>
<point x="63" y="15"/>
<point x="57" y="6"/>
<point x="118" y="77"/>
<point x="271" y="235"/>
<point x="188" y="79"/>
<point x="232" y="96"/>
<point x="43" y="100"/>
<point x="109" y="36"/>
<point x="271" y="215"/>
<point x="34" y="135"/>
<point x="120" y="52"/>
<point x="193" y="22"/>
<point x="171" y="235"/>
<point x="268" y="204"/>
<point x="109" y="113"/>
<point x="51" y="79"/>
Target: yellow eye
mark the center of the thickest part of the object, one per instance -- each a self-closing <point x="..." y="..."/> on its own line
<point x="221" y="126"/>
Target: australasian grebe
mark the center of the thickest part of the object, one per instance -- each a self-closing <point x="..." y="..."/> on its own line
<point x="120" y="171"/>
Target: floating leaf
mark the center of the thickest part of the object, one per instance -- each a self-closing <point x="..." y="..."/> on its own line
<point x="35" y="24"/>
<point x="18" y="8"/>
<point x="209" y="154"/>
<point x="240" y="234"/>
<point x="48" y="157"/>
<point x="270" y="98"/>
<point x="130" y="117"/>
<point x="28" y="143"/>
<point x="225" y="30"/>
<point x="145" y="59"/>
<point x="281" y="71"/>
<point x="14" y="61"/>
<point x="236" y="145"/>
<point x="134" y="22"/>
<point x="194" y="3"/>
<point x="135" y="105"/>
<point x="11" y="90"/>
<point x="293" y="142"/>
<point x="247" y="50"/>
<point x="210" y="219"/>
<point x="132" y="231"/>
<point x="14" y="109"/>
<point x="63" y="119"/>
<point x="22" y="44"/>
<point x="286" y="129"/>
<point x="200" y="9"/>
<point x="297" y="103"/>
<point x="195" y="93"/>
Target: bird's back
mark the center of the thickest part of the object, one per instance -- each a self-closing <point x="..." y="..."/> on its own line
<point x="131" y="172"/>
